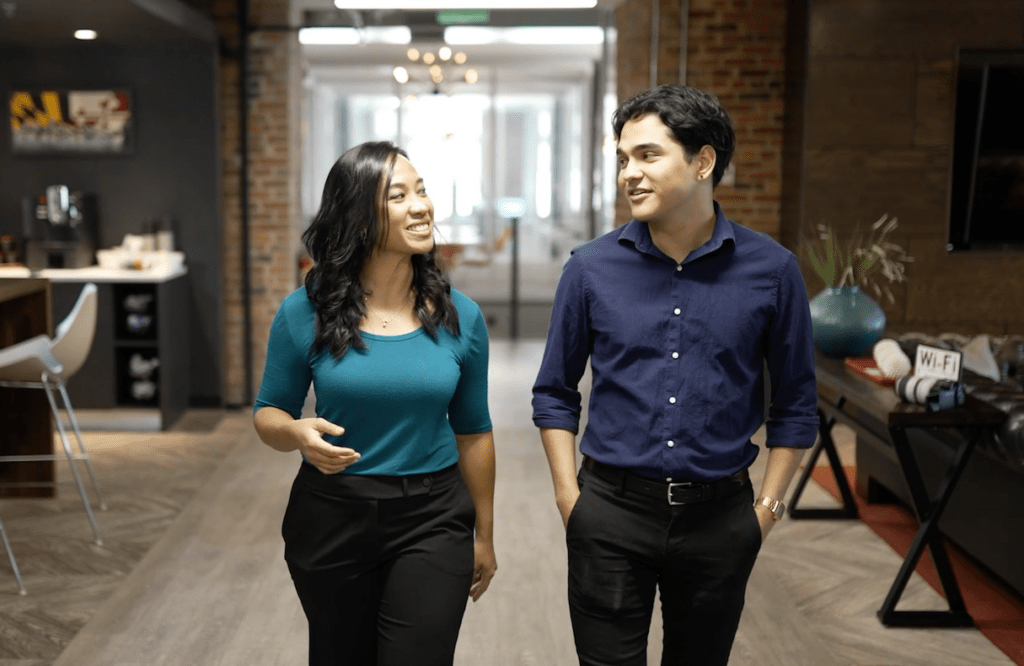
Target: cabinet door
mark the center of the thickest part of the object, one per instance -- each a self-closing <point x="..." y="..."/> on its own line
<point x="92" y="387"/>
<point x="173" y="307"/>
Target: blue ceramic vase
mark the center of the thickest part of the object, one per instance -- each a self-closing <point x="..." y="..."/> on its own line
<point x="847" y="322"/>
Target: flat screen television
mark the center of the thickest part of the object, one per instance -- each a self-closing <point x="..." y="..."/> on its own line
<point x="987" y="181"/>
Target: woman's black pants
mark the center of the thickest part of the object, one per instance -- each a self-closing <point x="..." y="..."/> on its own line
<point x="623" y="546"/>
<point x="382" y="565"/>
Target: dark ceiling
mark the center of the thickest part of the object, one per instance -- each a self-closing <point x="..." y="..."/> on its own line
<point x="118" y="22"/>
<point x="52" y="23"/>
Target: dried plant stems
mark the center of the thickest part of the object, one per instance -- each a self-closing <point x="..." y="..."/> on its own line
<point x="860" y="258"/>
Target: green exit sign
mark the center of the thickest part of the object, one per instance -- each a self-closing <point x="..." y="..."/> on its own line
<point x="453" y="16"/>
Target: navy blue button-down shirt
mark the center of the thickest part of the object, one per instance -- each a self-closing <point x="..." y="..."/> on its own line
<point x="677" y="352"/>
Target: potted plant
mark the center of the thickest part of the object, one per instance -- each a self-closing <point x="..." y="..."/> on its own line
<point x="848" y="322"/>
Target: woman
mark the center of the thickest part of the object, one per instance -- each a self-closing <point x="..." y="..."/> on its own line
<point x="389" y="524"/>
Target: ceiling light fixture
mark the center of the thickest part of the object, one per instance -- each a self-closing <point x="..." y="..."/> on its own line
<point x="441" y="67"/>
<point x="86" y="35"/>
<point x="581" y="35"/>
<point x="465" y="4"/>
<point x="399" y="34"/>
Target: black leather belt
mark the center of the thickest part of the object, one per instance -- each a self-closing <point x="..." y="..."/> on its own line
<point x="674" y="493"/>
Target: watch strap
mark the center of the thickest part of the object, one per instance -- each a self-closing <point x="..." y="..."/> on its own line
<point x="775" y="506"/>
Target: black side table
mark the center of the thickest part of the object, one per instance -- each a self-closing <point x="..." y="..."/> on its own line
<point x="970" y="420"/>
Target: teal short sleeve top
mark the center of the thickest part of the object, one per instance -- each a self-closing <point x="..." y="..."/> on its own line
<point x="401" y="401"/>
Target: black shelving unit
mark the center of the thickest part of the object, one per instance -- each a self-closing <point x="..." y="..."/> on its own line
<point x="136" y="344"/>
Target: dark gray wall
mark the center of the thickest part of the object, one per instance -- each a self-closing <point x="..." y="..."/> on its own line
<point x="173" y="172"/>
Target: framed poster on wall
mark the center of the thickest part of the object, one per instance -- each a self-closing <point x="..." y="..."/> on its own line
<point x="71" y="122"/>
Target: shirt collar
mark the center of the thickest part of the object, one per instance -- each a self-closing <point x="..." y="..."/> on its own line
<point x="639" y="234"/>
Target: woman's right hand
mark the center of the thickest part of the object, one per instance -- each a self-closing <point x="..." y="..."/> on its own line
<point x="323" y="455"/>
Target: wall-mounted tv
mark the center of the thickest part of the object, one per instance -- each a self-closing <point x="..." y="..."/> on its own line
<point x="986" y="208"/>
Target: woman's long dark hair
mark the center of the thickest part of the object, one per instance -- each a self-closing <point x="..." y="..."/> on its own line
<point x="350" y="224"/>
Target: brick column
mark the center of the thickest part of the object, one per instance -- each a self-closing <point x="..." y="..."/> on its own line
<point x="275" y="78"/>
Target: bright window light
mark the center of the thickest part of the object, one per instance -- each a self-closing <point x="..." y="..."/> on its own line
<point x="535" y="36"/>
<point x="328" y="36"/>
<point x="543" y="192"/>
<point x="465" y="4"/>
<point x="399" y="34"/>
<point x="511" y="207"/>
<point x="86" y="34"/>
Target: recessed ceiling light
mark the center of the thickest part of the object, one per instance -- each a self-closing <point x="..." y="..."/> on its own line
<point x="86" y="34"/>
<point x="465" y="4"/>
<point x="399" y="34"/>
<point x="580" y="35"/>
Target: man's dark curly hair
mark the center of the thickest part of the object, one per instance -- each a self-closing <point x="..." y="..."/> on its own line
<point x="696" y="119"/>
<point x="350" y="224"/>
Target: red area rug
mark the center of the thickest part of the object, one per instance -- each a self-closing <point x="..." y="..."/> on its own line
<point x="998" y="613"/>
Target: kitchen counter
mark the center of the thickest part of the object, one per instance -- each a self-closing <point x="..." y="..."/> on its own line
<point x="94" y="274"/>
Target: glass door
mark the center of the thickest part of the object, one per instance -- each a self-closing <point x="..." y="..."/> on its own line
<point x="479" y="149"/>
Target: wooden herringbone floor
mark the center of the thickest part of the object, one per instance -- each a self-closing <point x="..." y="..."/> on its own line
<point x="190" y="572"/>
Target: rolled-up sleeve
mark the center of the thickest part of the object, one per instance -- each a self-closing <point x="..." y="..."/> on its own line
<point x="556" y="396"/>
<point x="287" y="374"/>
<point x="792" y="417"/>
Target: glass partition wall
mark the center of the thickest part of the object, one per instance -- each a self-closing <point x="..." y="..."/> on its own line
<point x="484" y="151"/>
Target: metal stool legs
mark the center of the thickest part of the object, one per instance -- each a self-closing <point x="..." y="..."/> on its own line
<point x="10" y="556"/>
<point x="84" y="455"/>
<point x="72" y="456"/>
<point x="47" y="384"/>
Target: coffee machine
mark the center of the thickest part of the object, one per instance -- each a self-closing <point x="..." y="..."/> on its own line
<point x="59" y="228"/>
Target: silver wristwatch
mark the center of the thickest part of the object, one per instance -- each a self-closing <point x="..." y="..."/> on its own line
<point x="775" y="506"/>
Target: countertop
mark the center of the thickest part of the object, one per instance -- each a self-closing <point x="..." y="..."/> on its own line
<point x="93" y="274"/>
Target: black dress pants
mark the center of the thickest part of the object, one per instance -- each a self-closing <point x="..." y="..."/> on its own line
<point x="623" y="545"/>
<point x="382" y="565"/>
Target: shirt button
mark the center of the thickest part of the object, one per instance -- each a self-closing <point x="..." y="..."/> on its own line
<point x="670" y="445"/>
<point x="679" y="267"/>
<point x="672" y="400"/>
<point x="675" y="354"/>
<point x="677" y="311"/>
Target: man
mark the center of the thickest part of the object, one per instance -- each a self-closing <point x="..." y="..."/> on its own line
<point x="678" y="311"/>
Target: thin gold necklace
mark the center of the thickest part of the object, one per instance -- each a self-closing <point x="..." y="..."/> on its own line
<point x="377" y="314"/>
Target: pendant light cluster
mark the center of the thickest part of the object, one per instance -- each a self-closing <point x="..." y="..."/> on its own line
<point x="441" y="66"/>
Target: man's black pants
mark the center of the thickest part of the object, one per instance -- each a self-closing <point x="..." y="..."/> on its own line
<point x="382" y="565"/>
<point x="623" y="545"/>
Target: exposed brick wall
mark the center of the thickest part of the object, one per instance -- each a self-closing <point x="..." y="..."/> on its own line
<point x="879" y="122"/>
<point x="736" y="51"/>
<point x="274" y="170"/>
<point x="852" y="102"/>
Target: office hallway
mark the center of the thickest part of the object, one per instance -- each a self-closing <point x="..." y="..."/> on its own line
<point x="213" y="590"/>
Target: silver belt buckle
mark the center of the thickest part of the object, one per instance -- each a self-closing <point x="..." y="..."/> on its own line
<point x="669" y="491"/>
